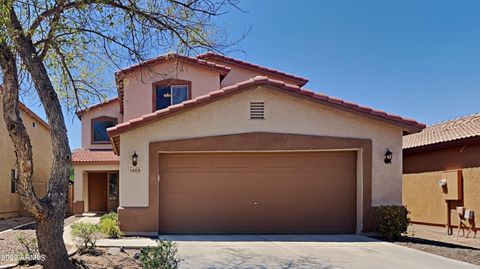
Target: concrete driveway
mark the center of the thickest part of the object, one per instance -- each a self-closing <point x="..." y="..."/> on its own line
<point x="302" y="251"/>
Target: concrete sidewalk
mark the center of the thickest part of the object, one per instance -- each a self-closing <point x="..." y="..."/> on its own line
<point x="127" y="242"/>
<point x="67" y="230"/>
<point x="286" y="251"/>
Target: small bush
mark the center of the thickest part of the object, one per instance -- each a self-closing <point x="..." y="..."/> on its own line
<point x="109" y="225"/>
<point x="163" y="256"/>
<point x="110" y="228"/>
<point x="29" y="253"/>
<point x="391" y="221"/>
<point x="111" y="215"/>
<point x="85" y="236"/>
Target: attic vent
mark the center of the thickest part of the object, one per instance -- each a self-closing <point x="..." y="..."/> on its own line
<point x="257" y="110"/>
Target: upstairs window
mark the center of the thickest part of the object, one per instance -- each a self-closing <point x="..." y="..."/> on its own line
<point x="170" y="92"/>
<point x="99" y="129"/>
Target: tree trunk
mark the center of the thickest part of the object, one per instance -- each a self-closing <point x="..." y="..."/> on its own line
<point x="49" y="212"/>
<point x="50" y="240"/>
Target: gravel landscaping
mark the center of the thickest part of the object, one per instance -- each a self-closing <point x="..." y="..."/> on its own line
<point x="452" y="251"/>
<point x="110" y="258"/>
<point x="10" y="223"/>
<point x="10" y="246"/>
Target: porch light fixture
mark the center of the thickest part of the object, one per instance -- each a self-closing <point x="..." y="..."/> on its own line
<point x="134" y="158"/>
<point x="388" y="156"/>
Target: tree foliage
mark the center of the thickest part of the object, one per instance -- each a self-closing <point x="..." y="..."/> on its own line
<point x="59" y="49"/>
<point x="79" y="40"/>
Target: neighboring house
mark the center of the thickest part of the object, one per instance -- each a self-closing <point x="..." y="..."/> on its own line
<point x="448" y="150"/>
<point x="39" y="132"/>
<point x="213" y="144"/>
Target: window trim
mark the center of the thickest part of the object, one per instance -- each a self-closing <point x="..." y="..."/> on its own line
<point x="101" y="118"/>
<point x="170" y="82"/>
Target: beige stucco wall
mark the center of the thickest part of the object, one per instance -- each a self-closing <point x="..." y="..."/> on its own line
<point x="80" y="173"/>
<point x="285" y="113"/>
<point x="10" y="204"/>
<point x="111" y="109"/>
<point x="425" y="200"/>
<point x="139" y="91"/>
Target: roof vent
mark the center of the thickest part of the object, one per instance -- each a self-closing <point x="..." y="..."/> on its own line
<point x="257" y="110"/>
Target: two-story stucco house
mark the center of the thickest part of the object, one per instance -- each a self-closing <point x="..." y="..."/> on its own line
<point x="39" y="132"/>
<point x="214" y="145"/>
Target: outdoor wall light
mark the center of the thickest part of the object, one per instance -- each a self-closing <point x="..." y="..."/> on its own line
<point x="134" y="158"/>
<point x="388" y="156"/>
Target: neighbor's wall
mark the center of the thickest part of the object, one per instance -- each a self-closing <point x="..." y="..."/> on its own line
<point x="285" y="113"/>
<point x="138" y="85"/>
<point x="111" y="109"/>
<point x="422" y="170"/>
<point x="10" y="204"/>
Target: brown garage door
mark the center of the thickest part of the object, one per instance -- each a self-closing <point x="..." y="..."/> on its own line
<point x="225" y="193"/>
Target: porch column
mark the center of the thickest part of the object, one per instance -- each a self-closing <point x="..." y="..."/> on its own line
<point x="78" y="204"/>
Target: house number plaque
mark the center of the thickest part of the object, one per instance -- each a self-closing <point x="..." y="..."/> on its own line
<point x="134" y="170"/>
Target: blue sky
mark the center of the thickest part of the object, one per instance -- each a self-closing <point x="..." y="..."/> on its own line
<point x="418" y="59"/>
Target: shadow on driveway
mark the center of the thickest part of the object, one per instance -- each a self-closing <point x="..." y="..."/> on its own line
<point x="325" y="238"/>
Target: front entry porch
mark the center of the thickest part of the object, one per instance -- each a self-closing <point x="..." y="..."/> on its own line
<point x="95" y="190"/>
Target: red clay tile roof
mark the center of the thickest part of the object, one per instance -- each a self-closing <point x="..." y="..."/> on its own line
<point x="222" y="69"/>
<point x="88" y="156"/>
<point x="79" y="113"/>
<point x="451" y="130"/>
<point x="212" y="56"/>
<point x="408" y="124"/>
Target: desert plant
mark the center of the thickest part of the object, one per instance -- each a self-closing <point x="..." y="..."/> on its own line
<point x="391" y="220"/>
<point x="29" y="253"/>
<point x="111" y="215"/>
<point x="85" y="236"/>
<point x="163" y="256"/>
<point x="109" y="227"/>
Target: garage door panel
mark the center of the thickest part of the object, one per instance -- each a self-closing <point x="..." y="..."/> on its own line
<point x="297" y="192"/>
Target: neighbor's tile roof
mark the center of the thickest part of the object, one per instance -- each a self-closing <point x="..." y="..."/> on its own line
<point x="212" y="56"/>
<point x="30" y="113"/>
<point x="88" y="156"/>
<point x="459" y="128"/>
<point x="408" y="124"/>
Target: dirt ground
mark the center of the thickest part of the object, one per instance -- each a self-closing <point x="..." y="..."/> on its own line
<point x="110" y="258"/>
<point x="10" y="223"/>
<point x="452" y="251"/>
<point x="434" y="240"/>
<point x="10" y="246"/>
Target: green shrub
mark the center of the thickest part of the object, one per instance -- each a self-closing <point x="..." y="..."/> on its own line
<point x="110" y="228"/>
<point x="391" y="221"/>
<point x="111" y="215"/>
<point x="85" y="236"/>
<point x="109" y="225"/>
<point x="163" y="256"/>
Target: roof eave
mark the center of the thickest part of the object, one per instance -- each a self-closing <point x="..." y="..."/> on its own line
<point x="406" y="124"/>
<point x="300" y="81"/>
